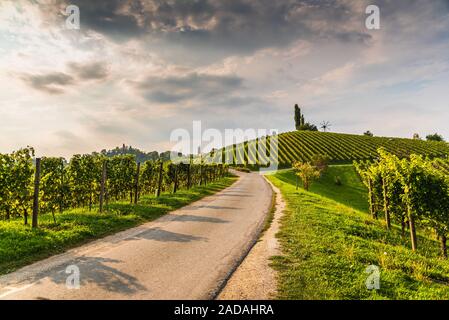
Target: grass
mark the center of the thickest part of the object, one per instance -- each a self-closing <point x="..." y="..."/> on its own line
<point x="328" y="241"/>
<point x="20" y="245"/>
<point x="351" y="192"/>
<point x="270" y="217"/>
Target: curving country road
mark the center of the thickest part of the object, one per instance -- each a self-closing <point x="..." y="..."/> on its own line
<point x="186" y="254"/>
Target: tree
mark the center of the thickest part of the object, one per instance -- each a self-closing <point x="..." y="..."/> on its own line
<point x="306" y="172"/>
<point x="300" y="123"/>
<point x="368" y="133"/>
<point x="325" y="125"/>
<point x="165" y="156"/>
<point x="298" y="117"/>
<point x="435" y="137"/>
<point x="308" y="127"/>
<point x="320" y="161"/>
<point x="416" y="136"/>
<point x="140" y="155"/>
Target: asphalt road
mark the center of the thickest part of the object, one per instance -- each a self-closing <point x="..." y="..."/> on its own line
<point x="186" y="254"/>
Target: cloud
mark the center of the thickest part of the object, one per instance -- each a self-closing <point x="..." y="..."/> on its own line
<point x="194" y="86"/>
<point x="118" y="19"/>
<point x="205" y="31"/>
<point x="138" y="69"/>
<point x="52" y="83"/>
<point x="220" y="27"/>
<point x="55" y="82"/>
<point x="89" y="71"/>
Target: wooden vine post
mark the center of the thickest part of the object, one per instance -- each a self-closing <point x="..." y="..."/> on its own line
<point x="257" y="151"/>
<point x="245" y="153"/>
<point x="175" y="182"/>
<point x="61" y="197"/>
<point x="371" y="198"/>
<point x="102" y="187"/>
<point x="136" y="186"/>
<point x="386" y="204"/>
<point x="37" y="177"/>
<point x="159" y="183"/>
<point x="411" y="222"/>
<point x="201" y="170"/>
<point x="189" y="178"/>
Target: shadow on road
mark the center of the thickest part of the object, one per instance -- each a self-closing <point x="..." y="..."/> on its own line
<point x="192" y="218"/>
<point x="158" y="234"/>
<point x="211" y="207"/>
<point x="241" y="195"/>
<point x="94" y="270"/>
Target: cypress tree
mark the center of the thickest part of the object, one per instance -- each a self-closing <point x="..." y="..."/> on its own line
<point x="298" y="117"/>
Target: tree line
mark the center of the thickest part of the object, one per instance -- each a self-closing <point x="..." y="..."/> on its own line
<point x="141" y="156"/>
<point x="414" y="192"/>
<point x="51" y="185"/>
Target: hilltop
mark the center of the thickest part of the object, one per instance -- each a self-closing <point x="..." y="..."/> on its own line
<point x="141" y="156"/>
<point x="340" y="147"/>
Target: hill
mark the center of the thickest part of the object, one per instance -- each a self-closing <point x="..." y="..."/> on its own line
<point x="341" y="148"/>
<point x="141" y="156"/>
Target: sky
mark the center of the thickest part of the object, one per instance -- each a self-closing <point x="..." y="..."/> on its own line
<point x="136" y="70"/>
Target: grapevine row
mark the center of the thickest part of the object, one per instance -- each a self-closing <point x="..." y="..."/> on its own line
<point x="51" y="185"/>
<point x="340" y="148"/>
<point x="412" y="191"/>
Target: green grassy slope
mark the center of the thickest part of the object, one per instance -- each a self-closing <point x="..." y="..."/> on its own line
<point x="341" y="148"/>
<point x="328" y="240"/>
<point x="21" y="245"/>
<point x="351" y="192"/>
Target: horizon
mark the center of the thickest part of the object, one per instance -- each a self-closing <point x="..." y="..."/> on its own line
<point x="147" y="152"/>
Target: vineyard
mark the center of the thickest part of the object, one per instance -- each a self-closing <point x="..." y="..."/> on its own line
<point x="329" y="239"/>
<point x="411" y="192"/>
<point x="31" y="186"/>
<point x="340" y="148"/>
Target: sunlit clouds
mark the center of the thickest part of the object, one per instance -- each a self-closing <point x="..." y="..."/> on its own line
<point x="136" y="70"/>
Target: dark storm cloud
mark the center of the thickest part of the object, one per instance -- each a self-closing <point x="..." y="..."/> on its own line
<point x="108" y="17"/>
<point x="233" y="26"/>
<point x="52" y="83"/>
<point x="203" y="31"/>
<point x="173" y="89"/>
